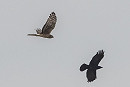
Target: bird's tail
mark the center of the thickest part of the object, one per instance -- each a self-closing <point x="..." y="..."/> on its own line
<point x="33" y="35"/>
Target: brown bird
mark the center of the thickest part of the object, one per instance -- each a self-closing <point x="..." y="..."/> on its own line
<point x="47" y="28"/>
<point x="93" y="66"/>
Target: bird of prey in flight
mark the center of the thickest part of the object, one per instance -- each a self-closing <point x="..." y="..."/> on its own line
<point x="47" y="28"/>
<point x="93" y="66"/>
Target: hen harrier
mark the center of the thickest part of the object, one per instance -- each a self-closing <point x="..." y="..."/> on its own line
<point x="93" y="66"/>
<point x="47" y="28"/>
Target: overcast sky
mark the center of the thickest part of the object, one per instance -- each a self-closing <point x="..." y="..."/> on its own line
<point x="83" y="27"/>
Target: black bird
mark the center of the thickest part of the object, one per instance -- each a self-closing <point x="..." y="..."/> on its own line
<point x="93" y="66"/>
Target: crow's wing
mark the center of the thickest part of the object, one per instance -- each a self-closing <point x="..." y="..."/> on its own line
<point x="50" y="24"/>
<point x="97" y="58"/>
<point x="83" y="67"/>
<point x="91" y="75"/>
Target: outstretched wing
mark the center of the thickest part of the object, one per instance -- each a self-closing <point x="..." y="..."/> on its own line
<point x="39" y="31"/>
<point x="50" y="24"/>
<point x="83" y="67"/>
<point x="33" y="35"/>
<point x="97" y="58"/>
<point x="91" y="75"/>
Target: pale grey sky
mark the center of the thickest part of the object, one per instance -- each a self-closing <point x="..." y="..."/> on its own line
<point x="83" y="27"/>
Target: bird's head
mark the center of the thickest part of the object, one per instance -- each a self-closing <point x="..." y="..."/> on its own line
<point x="99" y="67"/>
